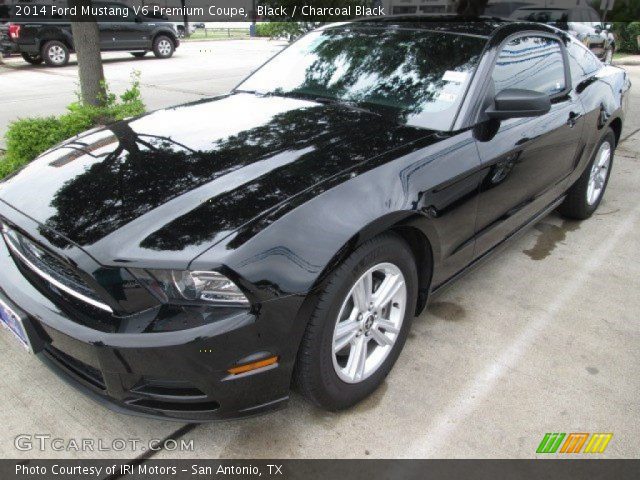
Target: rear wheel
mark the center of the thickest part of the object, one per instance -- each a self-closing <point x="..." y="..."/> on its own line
<point x="163" y="47"/>
<point x="55" y="53"/>
<point x="138" y="54"/>
<point x="586" y="194"/>
<point x="32" y="58"/>
<point x="359" y="325"/>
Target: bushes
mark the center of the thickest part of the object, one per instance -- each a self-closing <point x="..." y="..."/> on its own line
<point x="278" y="29"/>
<point x="29" y="137"/>
<point x="627" y="36"/>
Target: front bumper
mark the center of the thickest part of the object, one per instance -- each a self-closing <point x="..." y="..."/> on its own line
<point x="178" y="375"/>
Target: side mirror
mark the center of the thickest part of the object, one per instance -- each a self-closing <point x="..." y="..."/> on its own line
<point x="517" y="103"/>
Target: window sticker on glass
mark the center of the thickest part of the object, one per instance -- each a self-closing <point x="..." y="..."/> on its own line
<point x="447" y="97"/>
<point x="456" y="77"/>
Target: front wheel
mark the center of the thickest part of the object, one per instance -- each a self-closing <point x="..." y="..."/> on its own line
<point x="359" y="325"/>
<point x="55" y="53"/>
<point x="32" y="58"/>
<point x="586" y="194"/>
<point x="163" y="47"/>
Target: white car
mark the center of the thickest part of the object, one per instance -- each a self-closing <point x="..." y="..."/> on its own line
<point x="179" y="27"/>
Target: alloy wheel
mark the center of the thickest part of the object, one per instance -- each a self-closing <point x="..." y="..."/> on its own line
<point x="164" y="47"/>
<point x="56" y="54"/>
<point x="599" y="172"/>
<point x="369" y="322"/>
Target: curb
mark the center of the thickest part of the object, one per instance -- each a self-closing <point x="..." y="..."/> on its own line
<point x="633" y="61"/>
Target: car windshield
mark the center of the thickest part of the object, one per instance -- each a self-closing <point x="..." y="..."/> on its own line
<point x="418" y="76"/>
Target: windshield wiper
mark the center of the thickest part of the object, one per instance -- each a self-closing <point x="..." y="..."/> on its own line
<point x="314" y="98"/>
<point x="252" y="92"/>
<point x="332" y="101"/>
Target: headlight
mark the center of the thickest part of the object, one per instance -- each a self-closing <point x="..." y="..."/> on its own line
<point x="182" y="286"/>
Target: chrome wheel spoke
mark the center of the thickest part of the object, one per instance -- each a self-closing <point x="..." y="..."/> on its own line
<point x="362" y="292"/>
<point x="387" y="326"/>
<point x="345" y="333"/>
<point x="357" y="359"/>
<point x="380" y="338"/>
<point x="387" y="290"/>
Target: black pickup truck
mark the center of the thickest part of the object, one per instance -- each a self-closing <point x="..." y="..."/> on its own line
<point x="40" y="36"/>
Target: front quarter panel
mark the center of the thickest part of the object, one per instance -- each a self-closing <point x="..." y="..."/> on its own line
<point x="604" y="99"/>
<point x="287" y="252"/>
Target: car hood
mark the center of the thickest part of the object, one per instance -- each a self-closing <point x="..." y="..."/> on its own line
<point x="181" y="179"/>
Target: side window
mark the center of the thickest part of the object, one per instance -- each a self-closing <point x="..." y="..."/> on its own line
<point x="128" y="16"/>
<point x="582" y="62"/>
<point x="530" y="63"/>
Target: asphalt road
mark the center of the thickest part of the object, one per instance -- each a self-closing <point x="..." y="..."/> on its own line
<point x="543" y="338"/>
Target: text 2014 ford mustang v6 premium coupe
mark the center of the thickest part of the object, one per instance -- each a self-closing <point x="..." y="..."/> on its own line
<point x="197" y="261"/>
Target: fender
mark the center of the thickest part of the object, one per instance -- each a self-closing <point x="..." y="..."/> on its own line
<point x="54" y="32"/>
<point x="291" y="250"/>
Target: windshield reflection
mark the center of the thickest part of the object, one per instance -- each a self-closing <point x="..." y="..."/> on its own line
<point x="411" y="73"/>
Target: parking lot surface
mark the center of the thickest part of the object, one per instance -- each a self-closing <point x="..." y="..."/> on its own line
<point x="542" y="338"/>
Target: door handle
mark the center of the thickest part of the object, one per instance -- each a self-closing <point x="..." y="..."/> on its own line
<point x="573" y="119"/>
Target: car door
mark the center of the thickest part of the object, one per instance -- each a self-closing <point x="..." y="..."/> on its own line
<point x="525" y="160"/>
<point x="132" y="33"/>
<point x="107" y="26"/>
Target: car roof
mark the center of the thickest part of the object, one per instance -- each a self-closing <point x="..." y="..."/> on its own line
<point x="478" y="26"/>
<point x="482" y="26"/>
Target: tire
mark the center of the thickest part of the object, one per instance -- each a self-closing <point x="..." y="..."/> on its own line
<point x="32" y="58"/>
<point x="324" y="377"/>
<point x="55" y="53"/>
<point x="586" y="194"/>
<point x="138" y="54"/>
<point x="163" y="46"/>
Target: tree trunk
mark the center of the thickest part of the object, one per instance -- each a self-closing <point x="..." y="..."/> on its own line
<point x="185" y="19"/>
<point x="86" y="42"/>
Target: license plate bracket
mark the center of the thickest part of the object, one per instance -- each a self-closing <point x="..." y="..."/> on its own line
<point x="15" y="323"/>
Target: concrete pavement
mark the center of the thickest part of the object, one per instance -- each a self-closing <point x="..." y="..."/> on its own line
<point x="544" y="337"/>
<point x="197" y="70"/>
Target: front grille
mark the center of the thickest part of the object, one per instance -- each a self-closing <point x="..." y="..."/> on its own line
<point x="55" y="271"/>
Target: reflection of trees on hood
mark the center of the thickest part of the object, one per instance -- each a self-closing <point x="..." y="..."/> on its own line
<point x="357" y="137"/>
<point x="144" y="172"/>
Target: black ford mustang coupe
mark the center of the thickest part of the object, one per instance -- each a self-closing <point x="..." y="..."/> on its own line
<point x="195" y="262"/>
